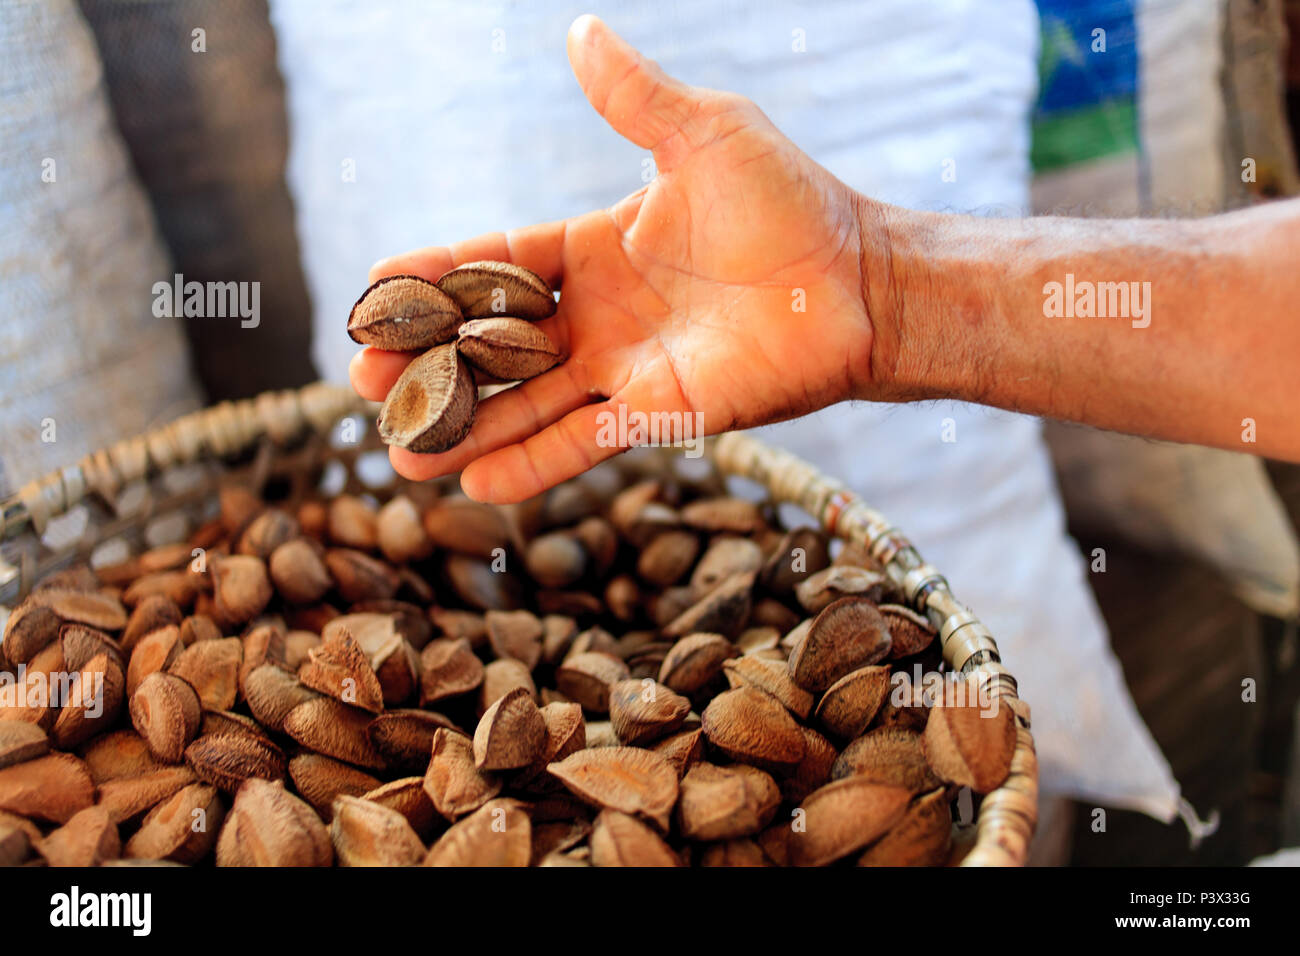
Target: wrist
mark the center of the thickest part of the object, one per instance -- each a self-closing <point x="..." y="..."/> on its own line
<point x="927" y="296"/>
<point x="893" y="302"/>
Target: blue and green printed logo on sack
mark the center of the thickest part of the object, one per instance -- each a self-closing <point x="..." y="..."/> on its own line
<point x="1087" y="82"/>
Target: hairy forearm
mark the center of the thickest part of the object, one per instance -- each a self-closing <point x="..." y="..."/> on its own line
<point x="1200" y="343"/>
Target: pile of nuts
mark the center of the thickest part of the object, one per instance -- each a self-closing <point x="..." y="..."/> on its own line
<point x="480" y="314"/>
<point x="636" y="671"/>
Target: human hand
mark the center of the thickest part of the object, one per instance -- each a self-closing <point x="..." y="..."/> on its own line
<point x="730" y="289"/>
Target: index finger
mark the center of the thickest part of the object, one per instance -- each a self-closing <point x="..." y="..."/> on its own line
<point x="538" y="247"/>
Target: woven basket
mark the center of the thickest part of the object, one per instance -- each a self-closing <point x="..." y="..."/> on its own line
<point x="126" y="492"/>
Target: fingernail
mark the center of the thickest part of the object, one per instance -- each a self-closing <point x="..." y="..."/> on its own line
<point x="583" y="25"/>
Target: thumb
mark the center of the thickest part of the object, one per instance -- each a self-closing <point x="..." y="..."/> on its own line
<point x="638" y="99"/>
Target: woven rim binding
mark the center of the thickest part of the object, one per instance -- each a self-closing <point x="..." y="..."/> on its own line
<point x="1007" y="816"/>
<point x="217" y="432"/>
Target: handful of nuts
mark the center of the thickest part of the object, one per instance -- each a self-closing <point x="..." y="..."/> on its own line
<point x="627" y="670"/>
<point x="479" y="314"/>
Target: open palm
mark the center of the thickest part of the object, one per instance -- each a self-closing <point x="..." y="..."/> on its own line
<point x="730" y="287"/>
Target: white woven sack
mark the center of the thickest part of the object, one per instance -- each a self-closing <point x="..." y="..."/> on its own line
<point x="83" y="360"/>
